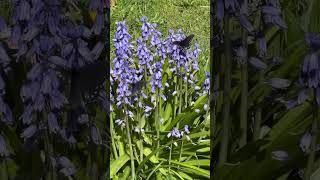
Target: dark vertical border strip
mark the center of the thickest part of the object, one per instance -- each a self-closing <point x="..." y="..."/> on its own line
<point x="211" y="89"/>
<point x="108" y="139"/>
<point x="215" y="75"/>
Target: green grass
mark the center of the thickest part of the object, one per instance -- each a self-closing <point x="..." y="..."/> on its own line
<point x="192" y="16"/>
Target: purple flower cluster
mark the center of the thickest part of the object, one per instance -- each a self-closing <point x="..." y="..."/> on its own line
<point x="146" y="28"/>
<point x="156" y="81"/>
<point x="46" y="40"/>
<point x="272" y="14"/>
<point x="151" y="51"/>
<point x="178" y="57"/>
<point x="98" y="6"/>
<point x="64" y="166"/>
<point x="175" y="132"/>
<point x="206" y="84"/>
<point x="123" y="72"/>
<point x="5" y="111"/>
<point x="310" y="73"/>
<point x="182" y="62"/>
<point x="145" y="57"/>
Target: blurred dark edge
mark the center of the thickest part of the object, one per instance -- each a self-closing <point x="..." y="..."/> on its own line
<point x="215" y="75"/>
<point x="212" y="73"/>
<point x="108" y="140"/>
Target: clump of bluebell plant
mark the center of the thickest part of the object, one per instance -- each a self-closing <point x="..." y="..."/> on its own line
<point x="147" y="75"/>
<point x="50" y="46"/>
<point x="228" y="14"/>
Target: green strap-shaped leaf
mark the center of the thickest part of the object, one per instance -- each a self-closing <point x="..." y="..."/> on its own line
<point x="195" y="170"/>
<point x="117" y="164"/>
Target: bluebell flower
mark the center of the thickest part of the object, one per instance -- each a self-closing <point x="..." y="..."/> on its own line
<point x="261" y="44"/>
<point x="95" y="135"/>
<point x="120" y="122"/>
<point x="206" y="85"/>
<point x="6" y="112"/>
<point x="83" y="119"/>
<point x="53" y="124"/>
<point x="22" y="11"/>
<point x="278" y="83"/>
<point x="186" y="129"/>
<point x="303" y="95"/>
<point x="220" y="9"/>
<point x="98" y="25"/>
<point x="245" y="23"/>
<point x="145" y="56"/>
<point x="3" y="147"/>
<point x="29" y="132"/>
<point x="15" y="35"/>
<point x="146" y="28"/>
<point x="147" y="109"/>
<point x="174" y="133"/>
<point x="4" y="58"/>
<point x="310" y="72"/>
<point x="280" y="155"/>
<point x="42" y="90"/>
<point x="74" y="49"/>
<point x="98" y="5"/>
<point x="193" y="57"/>
<point x="257" y="63"/>
<point x="174" y="93"/>
<point x="67" y="136"/>
<point x="305" y="142"/>
<point x="272" y="15"/>
<point x="138" y="130"/>
<point x="232" y="5"/>
<point x="312" y="40"/>
<point x="241" y="54"/>
<point x="123" y="73"/>
<point x="156" y="81"/>
<point x="205" y="107"/>
<point x="65" y="166"/>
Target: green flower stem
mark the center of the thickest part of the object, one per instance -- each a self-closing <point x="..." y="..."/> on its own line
<point x="130" y="145"/>
<point x="51" y="175"/>
<point x="258" y="115"/>
<point x="115" y="152"/>
<point x="244" y="104"/>
<point x="148" y="126"/>
<point x="223" y="154"/>
<point x="140" y="134"/>
<point x="157" y="120"/>
<point x="175" y="98"/>
<point x="186" y="95"/>
<point x="170" y="153"/>
<point x="244" y="88"/>
<point x="213" y="104"/>
<point x="314" y="131"/>
<point x="180" y="95"/>
<point x="135" y="154"/>
<point x="92" y="162"/>
<point x="208" y="109"/>
<point x="181" y="150"/>
<point x="145" y="79"/>
<point x="3" y="170"/>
